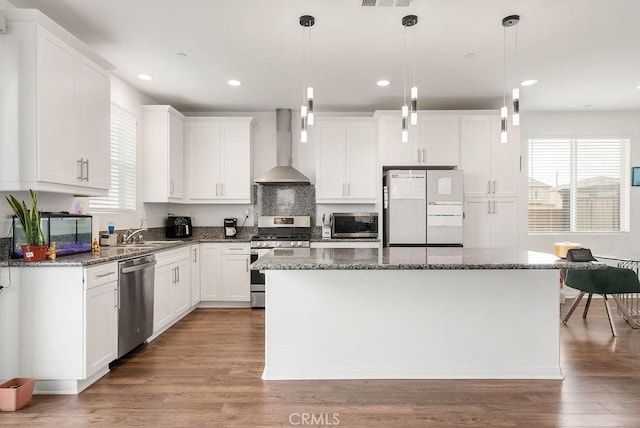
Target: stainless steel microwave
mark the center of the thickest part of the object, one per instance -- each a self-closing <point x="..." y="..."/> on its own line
<point x="354" y="225"/>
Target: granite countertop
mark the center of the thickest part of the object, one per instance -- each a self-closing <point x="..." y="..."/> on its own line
<point x="117" y="253"/>
<point x="399" y="258"/>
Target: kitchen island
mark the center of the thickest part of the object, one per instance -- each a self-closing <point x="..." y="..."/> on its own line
<point x="412" y="313"/>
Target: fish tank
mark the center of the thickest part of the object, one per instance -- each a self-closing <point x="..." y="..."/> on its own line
<point x="70" y="232"/>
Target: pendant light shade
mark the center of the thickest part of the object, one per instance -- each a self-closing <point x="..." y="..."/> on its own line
<point x="306" y="110"/>
<point x="409" y="116"/>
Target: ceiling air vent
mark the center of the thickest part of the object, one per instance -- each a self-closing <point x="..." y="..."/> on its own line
<point x="387" y="3"/>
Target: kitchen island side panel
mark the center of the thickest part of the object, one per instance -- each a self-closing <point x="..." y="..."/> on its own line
<point x="412" y="324"/>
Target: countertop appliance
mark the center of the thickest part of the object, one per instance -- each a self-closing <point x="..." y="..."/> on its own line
<point x="178" y="227"/>
<point x="326" y="226"/>
<point x="423" y="208"/>
<point x="230" y="227"/>
<point x="275" y="232"/>
<point x="135" y="302"/>
<point x="71" y="233"/>
<point x="355" y="225"/>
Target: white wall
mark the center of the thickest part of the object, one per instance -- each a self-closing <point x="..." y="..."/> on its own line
<point x="581" y="124"/>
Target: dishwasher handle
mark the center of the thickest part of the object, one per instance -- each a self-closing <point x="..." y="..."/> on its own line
<point x="137" y="267"/>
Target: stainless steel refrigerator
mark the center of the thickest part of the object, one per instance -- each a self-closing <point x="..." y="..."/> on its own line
<point x="423" y="208"/>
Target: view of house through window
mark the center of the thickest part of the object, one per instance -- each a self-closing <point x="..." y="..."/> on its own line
<point x="578" y="185"/>
<point x="122" y="194"/>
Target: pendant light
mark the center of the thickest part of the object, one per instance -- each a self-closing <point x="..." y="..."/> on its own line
<point x="512" y="21"/>
<point x="508" y="21"/>
<point x="409" y="21"/>
<point x="306" y="110"/>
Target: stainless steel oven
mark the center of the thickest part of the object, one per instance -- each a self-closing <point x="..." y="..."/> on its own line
<point x="354" y="225"/>
<point x="275" y="232"/>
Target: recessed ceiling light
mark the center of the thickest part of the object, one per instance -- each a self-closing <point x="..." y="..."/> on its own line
<point x="383" y="82"/>
<point x="529" y="82"/>
<point x="234" y="82"/>
<point x="145" y="77"/>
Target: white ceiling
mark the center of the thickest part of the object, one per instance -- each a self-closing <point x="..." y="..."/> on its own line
<point x="585" y="53"/>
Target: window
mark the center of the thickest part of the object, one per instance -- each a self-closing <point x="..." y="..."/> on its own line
<point x="578" y="185"/>
<point x="122" y="194"/>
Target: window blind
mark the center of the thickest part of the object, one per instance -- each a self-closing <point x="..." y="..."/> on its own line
<point x="122" y="194"/>
<point x="578" y="185"/>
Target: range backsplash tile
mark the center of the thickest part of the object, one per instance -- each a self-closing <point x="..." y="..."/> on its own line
<point x="285" y="199"/>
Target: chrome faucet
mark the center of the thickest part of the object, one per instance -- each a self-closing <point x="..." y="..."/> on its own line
<point x="126" y="238"/>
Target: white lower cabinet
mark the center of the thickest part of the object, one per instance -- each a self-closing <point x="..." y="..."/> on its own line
<point x="100" y="317"/>
<point x="195" y="274"/>
<point x="172" y="288"/>
<point x="224" y="272"/>
<point x="490" y="223"/>
<point x="68" y="325"/>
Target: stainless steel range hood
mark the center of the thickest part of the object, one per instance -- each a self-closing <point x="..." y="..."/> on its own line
<point x="283" y="172"/>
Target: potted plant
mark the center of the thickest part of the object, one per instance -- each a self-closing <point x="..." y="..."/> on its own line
<point x="31" y="220"/>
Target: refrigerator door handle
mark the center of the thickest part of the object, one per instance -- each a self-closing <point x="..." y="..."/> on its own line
<point x="494" y="207"/>
<point x="494" y="187"/>
<point x="488" y="207"/>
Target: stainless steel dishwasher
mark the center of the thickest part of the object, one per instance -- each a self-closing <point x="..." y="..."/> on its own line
<point x="135" y="302"/>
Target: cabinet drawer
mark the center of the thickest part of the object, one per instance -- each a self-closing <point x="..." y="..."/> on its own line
<point x="164" y="258"/>
<point x="238" y="248"/>
<point x="99" y="275"/>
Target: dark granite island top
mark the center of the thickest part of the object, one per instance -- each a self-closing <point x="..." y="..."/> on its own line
<point x="412" y="258"/>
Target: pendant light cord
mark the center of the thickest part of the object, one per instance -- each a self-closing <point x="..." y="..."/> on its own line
<point x="414" y="55"/>
<point x="304" y="69"/>
<point x="504" y="66"/>
<point x="404" y="75"/>
<point x="515" y="71"/>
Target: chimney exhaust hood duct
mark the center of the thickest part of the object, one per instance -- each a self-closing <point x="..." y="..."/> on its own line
<point x="283" y="173"/>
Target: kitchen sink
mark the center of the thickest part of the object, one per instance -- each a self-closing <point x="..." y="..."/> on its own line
<point x="161" y="242"/>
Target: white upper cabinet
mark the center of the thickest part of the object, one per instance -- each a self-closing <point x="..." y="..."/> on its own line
<point x="490" y="168"/>
<point x="439" y="138"/>
<point x="345" y="160"/>
<point x="163" y="148"/>
<point x="57" y="138"/>
<point x="434" y="141"/>
<point x="218" y="159"/>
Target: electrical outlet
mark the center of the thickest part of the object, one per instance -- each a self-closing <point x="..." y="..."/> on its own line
<point x="142" y="215"/>
<point x="246" y="211"/>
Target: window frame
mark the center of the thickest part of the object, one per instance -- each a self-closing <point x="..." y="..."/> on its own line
<point x="131" y="177"/>
<point x="625" y="184"/>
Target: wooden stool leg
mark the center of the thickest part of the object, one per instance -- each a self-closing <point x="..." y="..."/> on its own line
<point x="606" y="306"/>
<point x="573" y="307"/>
<point x="586" y="306"/>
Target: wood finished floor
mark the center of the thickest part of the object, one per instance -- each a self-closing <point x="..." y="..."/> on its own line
<point x="206" y="371"/>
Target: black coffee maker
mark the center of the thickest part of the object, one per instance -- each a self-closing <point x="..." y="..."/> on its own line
<point x="230" y="227"/>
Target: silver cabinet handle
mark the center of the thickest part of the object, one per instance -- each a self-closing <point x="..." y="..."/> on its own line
<point x="418" y="155"/>
<point x="348" y="189"/>
<point x="195" y="255"/>
<point x="488" y="187"/>
<point x="171" y="187"/>
<point x="173" y="274"/>
<point x="488" y="207"/>
<point x="177" y="274"/>
<point x="87" y="163"/>
<point x="80" y="162"/>
<point x="217" y="193"/>
<point x="247" y="264"/>
<point x="102" y="275"/>
<point x="221" y="189"/>
<point x="494" y="207"/>
<point x="236" y="248"/>
<point x="117" y="302"/>
<point x="494" y="186"/>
